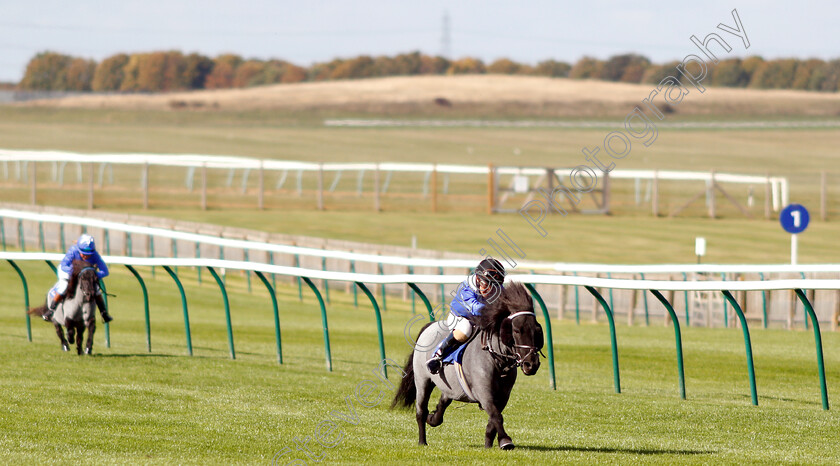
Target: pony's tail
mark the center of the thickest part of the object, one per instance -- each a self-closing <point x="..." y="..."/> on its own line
<point x="407" y="392"/>
<point x="37" y="311"/>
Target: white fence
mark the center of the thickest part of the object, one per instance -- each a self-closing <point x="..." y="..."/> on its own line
<point x="777" y="186"/>
<point x="565" y="297"/>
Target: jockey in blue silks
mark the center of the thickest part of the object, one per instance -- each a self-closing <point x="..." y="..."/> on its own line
<point x="84" y="249"/>
<point x="473" y="294"/>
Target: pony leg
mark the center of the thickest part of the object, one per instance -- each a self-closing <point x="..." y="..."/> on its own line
<point x="436" y="418"/>
<point x="81" y="332"/>
<point x="91" y="328"/>
<point x="424" y="392"/>
<point x="495" y="424"/>
<point x="60" y="332"/>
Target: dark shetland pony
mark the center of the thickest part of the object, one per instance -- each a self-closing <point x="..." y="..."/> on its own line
<point x="507" y="336"/>
<point x="78" y="309"/>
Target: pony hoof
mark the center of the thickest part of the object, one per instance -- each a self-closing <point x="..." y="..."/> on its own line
<point x="65" y="347"/>
<point x="88" y="351"/>
<point x="508" y="445"/>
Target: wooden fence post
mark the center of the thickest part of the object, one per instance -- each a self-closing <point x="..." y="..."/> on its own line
<point x="33" y="197"/>
<point x="90" y="187"/>
<point x="491" y="189"/>
<point x="655" y="194"/>
<point x="823" y="197"/>
<point x="376" y="205"/>
<point x="261" y="192"/>
<point x="320" y="186"/>
<point x="434" y="189"/>
<point x="146" y="186"/>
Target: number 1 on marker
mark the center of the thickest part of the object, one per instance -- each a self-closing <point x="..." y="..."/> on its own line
<point x="796" y="215"/>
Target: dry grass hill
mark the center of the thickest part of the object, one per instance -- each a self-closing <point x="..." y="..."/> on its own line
<point x="496" y="95"/>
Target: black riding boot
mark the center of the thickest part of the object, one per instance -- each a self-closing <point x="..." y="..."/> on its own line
<point x="100" y="303"/>
<point x="447" y="346"/>
<point x="51" y="306"/>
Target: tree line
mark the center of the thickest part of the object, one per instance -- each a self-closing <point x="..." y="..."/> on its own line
<point x="174" y="71"/>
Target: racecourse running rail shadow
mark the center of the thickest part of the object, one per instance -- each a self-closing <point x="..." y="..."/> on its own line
<point x="640" y="451"/>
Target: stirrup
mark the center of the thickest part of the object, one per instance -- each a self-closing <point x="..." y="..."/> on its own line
<point x="434" y="365"/>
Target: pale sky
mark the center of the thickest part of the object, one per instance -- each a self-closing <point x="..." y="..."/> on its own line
<point x="307" y="31"/>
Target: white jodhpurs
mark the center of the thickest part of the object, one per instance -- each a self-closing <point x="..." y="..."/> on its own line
<point x="461" y="324"/>
<point x="61" y="286"/>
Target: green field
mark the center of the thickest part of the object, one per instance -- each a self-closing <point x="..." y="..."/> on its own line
<point x="461" y="226"/>
<point x="124" y="405"/>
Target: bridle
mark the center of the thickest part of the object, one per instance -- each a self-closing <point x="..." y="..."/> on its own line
<point x="506" y="361"/>
<point x="80" y="277"/>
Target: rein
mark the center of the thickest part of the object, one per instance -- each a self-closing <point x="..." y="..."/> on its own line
<point x="506" y="361"/>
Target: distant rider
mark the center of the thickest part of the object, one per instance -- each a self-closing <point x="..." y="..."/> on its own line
<point x="84" y="249"/>
<point x="473" y="294"/>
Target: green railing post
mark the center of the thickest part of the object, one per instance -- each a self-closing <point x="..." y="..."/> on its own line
<point x="548" y="333"/>
<point x="577" y="303"/>
<point x="609" y="275"/>
<point x="763" y="302"/>
<point x="145" y="306"/>
<point x="107" y="327"/>
<point x="276" y="315"/>
<point x="442" y="287"/>
<point x="678" y="337"/>
<point x="747" y="343"/>
<point x="323" y="321"/>
<point x="685" y="298"/>
<point x="247" y="272"/>
<point x="809" y="310"/>
<point x="413" y="308"/>
<point x="644" y="296"/>
<point x="355" y="291"/>
<point x="183" y="306"/>
<point x="198" y="256"/>
<point x="384" y="300"/>
<point x="21" y="238"/>
<point x="326" y="283"/>
<point x="227" y="311"/>
<point x="616" y="377"/>
<point x="129" y="247"/>
<point x="25" y="298"/>
<point x="804" y="317"/>
<point x="63" y="245"/>
<point x="273" y="276"/>
<point x="41" y="236"/>
<point x="152" y="252"/>
<point x="425" y="301"/>
<point x="52" y="266"/>
<point x="174" y="244"/>
<point x="725" y="307"/>
<point x="3" y="232"/>
<point x="300" y="285"/>
<point x="378" y="325"/>
<point x="107" y="241"/>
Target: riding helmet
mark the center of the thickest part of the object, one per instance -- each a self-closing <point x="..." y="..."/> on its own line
<point x="491" y="270"/>
<point x="86" y="244"/>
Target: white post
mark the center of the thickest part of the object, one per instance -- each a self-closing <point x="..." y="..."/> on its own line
<point x="793" y="248"/>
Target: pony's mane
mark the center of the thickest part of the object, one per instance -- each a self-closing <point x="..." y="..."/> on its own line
<point x="78" y="266"/>
<point x="515" y="296"/>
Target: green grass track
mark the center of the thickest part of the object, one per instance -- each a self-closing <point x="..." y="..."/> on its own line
<point x="125" y="405"/>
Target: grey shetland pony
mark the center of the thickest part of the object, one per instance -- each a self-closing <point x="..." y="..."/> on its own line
<point x="507" y="336"/>
<point x="78" y="309"/>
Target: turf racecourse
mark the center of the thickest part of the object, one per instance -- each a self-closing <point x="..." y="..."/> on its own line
<point x="124" y="405"/>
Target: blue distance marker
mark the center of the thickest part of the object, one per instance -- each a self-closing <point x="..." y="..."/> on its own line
<point x="794" y="219"/>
